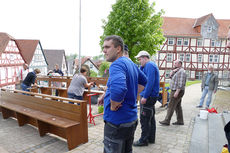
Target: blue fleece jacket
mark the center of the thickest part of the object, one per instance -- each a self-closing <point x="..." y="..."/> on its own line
<point x="122" y="86"/>
<point x="152" y="87"/>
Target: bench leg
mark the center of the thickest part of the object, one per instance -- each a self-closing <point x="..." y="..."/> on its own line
<point x="73" y="136"/>
<point x="42" y="128"/>
<point x="22" y="119"/>
<point x="6" y="113"/>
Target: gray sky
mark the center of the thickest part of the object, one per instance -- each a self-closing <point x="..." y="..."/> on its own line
<point x="55" y="22"/>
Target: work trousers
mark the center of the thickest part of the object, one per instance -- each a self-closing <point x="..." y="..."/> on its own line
<point x="147" y="120"/>
<point x="175" y="105"/>
<point x="119" y="138"/>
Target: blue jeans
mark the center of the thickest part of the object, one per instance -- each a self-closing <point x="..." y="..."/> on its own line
<point x="119" y="138"/>
<point x="25" y="87"/>
<point x="73" y="96"/>
<point x="204" y="93"/>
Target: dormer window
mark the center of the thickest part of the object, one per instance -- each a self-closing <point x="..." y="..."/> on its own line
<point x="209" y="29"/>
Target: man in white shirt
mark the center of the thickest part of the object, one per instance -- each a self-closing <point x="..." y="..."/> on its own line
<point x="22" y="73"/>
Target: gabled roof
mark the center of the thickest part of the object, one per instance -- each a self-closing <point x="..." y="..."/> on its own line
<point x="54" y="56"/>
<point x="4" y="40"/>
<point x="174" y="26"/>
<point x="27" y="48"/>
<point x="83" y="60"/>
<point x="201" y="20"/>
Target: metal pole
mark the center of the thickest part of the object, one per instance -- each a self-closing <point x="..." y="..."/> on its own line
<point x="79" y="58"/>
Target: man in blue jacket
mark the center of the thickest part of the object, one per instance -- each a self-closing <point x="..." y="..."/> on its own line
<point x="148" y="99"/>
<point x="120" y="107"/>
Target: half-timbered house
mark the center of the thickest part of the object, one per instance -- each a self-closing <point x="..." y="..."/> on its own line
<point x="198" y="42"/>
<point x="10" y="60"/>
<point x="33" y="54"/>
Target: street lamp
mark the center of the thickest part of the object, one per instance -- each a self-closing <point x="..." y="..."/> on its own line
<point x="79" y="58"/>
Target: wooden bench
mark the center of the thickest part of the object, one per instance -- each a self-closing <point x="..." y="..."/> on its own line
<point x="66" y="120"/>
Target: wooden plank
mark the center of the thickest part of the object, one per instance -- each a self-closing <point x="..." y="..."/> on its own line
<point x="199" y="139"/>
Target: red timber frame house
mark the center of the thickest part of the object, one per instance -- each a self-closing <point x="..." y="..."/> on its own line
<point x="198" y="43"/>
<point x="10" y="60"/>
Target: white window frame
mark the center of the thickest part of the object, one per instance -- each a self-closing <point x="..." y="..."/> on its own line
<point x="181" y="57"/>
<point x="170" y="41"/>
<point x="200" y="58"/>
<point x="167" y="73"/>
<point x="179" y="41"/>
<point x="188" y="57"/>
<point x="169" y="57"/>
<point x="213" y="43"/>
<point x="186" y="40"/>
<point x="199" y="42"/>
<point x="211" y="58"/>
<point x="209" y="29"/>
<point x="216" y="58"/>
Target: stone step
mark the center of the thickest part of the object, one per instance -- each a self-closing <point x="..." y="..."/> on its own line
<point x="199" y="140"/>
<point x="226" y="117"/>
<point x="216" y="135"/>
<point x="208" y="135"/>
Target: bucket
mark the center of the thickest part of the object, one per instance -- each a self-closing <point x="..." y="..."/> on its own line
<point x="203" y="114"/>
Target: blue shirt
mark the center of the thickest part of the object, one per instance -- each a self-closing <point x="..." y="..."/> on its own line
<point x="30" y="79"/>
<point x="208" y="79"/>
<point x="152" y="87"/>
<point x="122" y="85"/>
<point x="58" y="71"/>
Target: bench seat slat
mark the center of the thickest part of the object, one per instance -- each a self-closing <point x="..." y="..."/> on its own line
<point x="55" y="120"/>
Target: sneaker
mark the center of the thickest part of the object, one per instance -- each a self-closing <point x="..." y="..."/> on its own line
<point x="199" y="106"/>
<point x="140" y="144"/>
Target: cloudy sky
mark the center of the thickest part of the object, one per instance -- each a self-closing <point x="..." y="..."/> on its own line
<point x="56" y="22"/>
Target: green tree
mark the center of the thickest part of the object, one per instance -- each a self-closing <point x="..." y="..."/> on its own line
<point x="93" y="73"/>
<point x="98" y="57"/>
<point x="104" y="66"/>
<point x="71" y="56"/>
<point x="137" y="23"/>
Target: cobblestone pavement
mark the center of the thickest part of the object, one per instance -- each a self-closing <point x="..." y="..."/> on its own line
<point x="169" y="139"/>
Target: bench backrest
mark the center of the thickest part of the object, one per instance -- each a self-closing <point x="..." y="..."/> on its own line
<point x="53" y="107"/>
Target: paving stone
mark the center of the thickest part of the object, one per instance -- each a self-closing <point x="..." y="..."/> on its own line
<point x="169" y="139"/>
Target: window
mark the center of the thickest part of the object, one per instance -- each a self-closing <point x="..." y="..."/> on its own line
<point x="170" y="41"/>
<point x="216" y="58"/>
<point x="209" y="29"/>
<point x="199" y="42"/>
<point x="200" y="58"/>
<point x="179" y="41"/>
<point x="187" y="73"/>
<point x="187" y="57"/>
<point x="225" y="74"/>
<point x="181" y="57"/>
<point x="218" y="43"/>
<point x="213" y="43"/>
<point x="186" y="42"/>
<point x="169" y="57"/>
<point x="167" y="73"/>
<point x="211" y="58"/>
